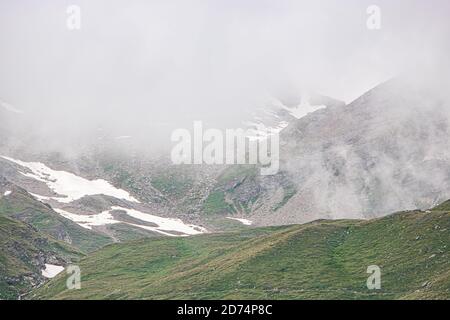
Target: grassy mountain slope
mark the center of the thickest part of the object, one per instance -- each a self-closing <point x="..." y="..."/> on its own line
<point x="443" y="206"/>
<point x="20" y="205"/>
<point x="24" y="252"/>
<point x="323" y="259"/>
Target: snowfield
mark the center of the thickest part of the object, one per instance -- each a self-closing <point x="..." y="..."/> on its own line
<point x="164" y="225"/>
<point x="89" y="221"/>
<point x="69" y="186"/>
<point x="51" y="270"/>
<point x="7" y="193"/>
<point x="243" y="221"/>
<point x="303" y="109"/>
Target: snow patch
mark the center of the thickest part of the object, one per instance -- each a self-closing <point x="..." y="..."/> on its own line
<point x="164" y="225"/>
<point x="51" y="270"/>
<point x="41" y="198"/>
<point x="69" y="186"/>
<point x="303" y="109"/>
<point x="7" y="193"/>
<point x="89" y="221"/>
<point x="243" y="221"/>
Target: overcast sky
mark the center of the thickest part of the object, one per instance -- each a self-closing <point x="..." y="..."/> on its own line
<point x="152" y="62"/>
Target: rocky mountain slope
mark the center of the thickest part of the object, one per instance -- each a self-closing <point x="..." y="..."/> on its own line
<point x="18" y="204"/>
<point x="387" y="150"/>
<point x="319" y="260"/>
<point x="25" y="254"/>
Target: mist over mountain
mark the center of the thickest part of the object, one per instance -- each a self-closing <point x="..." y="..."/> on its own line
<point x="388" y="149"/>
<point x="150" y="67"/>
<point x="385" y="151"/>
<point x="87" y="118"/>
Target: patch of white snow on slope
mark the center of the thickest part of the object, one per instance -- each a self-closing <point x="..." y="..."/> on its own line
<point x="89" y="221"/>
<point x="51" y="270"/>
<point x="7" y="193"/>
<point x="42" y="198"/>
<point x="70" y="186"/>
<point x="243" y="221"/>
<point x="304" y="108"/>
<point x="164" y="225"/>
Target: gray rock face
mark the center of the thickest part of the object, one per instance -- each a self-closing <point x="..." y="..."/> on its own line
<point x="386" y="151"/>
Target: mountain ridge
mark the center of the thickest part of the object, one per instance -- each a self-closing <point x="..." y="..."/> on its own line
<point x="25" y="254"/>
<point x="321" y="259"/>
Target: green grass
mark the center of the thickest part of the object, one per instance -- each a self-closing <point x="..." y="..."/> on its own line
<point x="23" y="251"/>
<point x="172" y="184"/>
<point x="442" y="207"/>
<point x="236" y="172"/>
<point x="225" y="187"/>
<point x="289" y="192"/>
<point x="216" y="204"/>
<point x="320" y="260"/>
<point x="217" y="223"/>
<point x="22" y="206"/>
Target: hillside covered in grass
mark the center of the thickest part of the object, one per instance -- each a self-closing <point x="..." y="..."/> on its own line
<point x="22" y="206"/>
<point x="24" y="253"/>
<point x="319" y="260"/>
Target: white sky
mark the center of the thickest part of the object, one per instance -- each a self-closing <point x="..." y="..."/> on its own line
<point x="147" y="63"/>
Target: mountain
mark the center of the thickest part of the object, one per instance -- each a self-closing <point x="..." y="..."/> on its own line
<point x="318" y="260"/>
<point x="25" y="254"/>
<point x="18" y="204"/>
<point x="93" y="204"/>
<point x="279" y="113"/>
<point x="386" y="151"/>
<point x="133" y="211"/>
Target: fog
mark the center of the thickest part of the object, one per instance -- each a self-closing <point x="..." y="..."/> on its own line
<point x="141" y="68"/>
